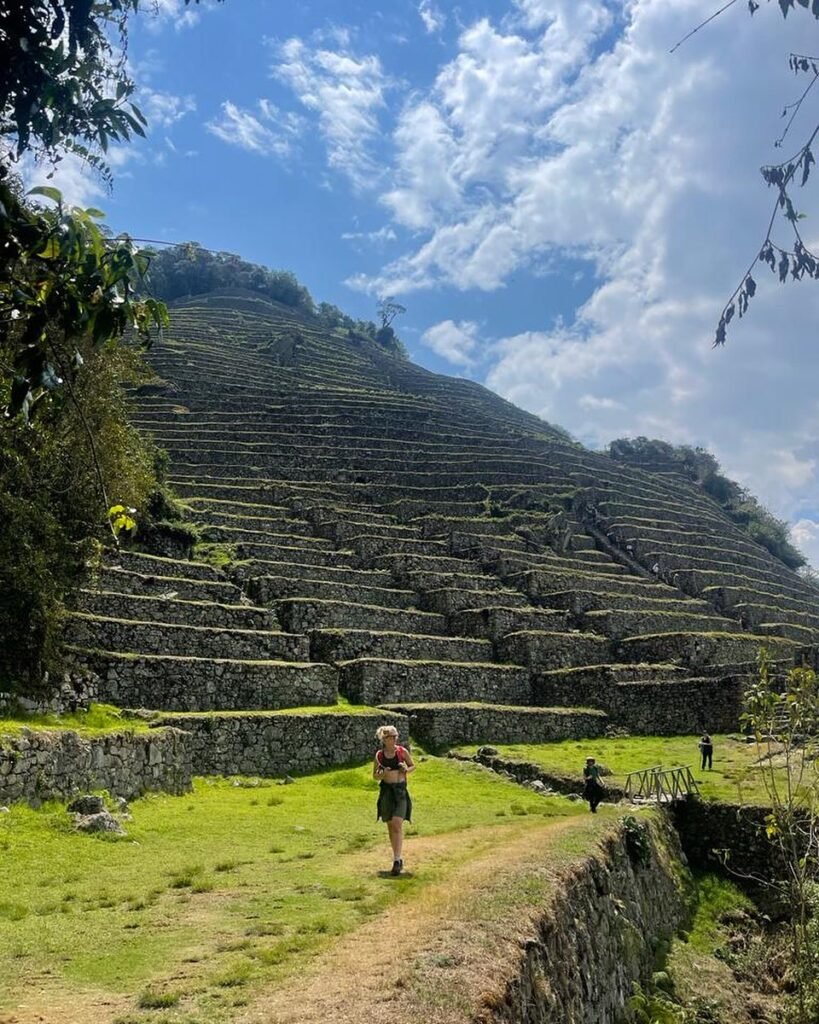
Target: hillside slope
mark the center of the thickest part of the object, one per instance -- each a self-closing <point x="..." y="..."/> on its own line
<point x="414" y="541"/>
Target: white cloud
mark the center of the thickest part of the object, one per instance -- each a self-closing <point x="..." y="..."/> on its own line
<point x="163" y="109"/>
<point x="805" y="535"/>
<point x="345" y="93"/>
<point x="271" y="133"/>
<point x="384" y="234"/>
<point x="432" y="16"/>
<point x="79" y="183"/>
<point x="555" y="134"/>
<point x="456" y="342"/>
<point x="175" y="12"/>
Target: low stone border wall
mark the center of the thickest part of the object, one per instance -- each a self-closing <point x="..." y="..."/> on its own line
<point x="38" y="766"/>
<point x="270" y="744"/>
<point x="439" y="726"/>
<point x="526" y="771"/>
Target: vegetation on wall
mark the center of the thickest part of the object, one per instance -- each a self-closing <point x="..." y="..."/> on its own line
<point x="700" y="467"/>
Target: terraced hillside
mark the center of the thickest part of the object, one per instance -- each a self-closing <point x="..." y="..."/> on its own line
<point x="412" y="541"/>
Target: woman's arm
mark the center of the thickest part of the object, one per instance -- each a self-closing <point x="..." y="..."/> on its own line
<point x="378" y="771"/>
<point x="408" y="764"/>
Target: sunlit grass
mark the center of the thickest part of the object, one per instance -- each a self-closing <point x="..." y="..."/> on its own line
<point x="734" y="777"/>
<point x="214" y="893"/>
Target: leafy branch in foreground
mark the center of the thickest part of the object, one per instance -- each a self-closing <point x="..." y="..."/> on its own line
<point x="799" y="261"/>
<point x="783" y="719"/>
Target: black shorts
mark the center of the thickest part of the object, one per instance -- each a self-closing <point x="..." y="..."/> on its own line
<point x="394" y="802"/>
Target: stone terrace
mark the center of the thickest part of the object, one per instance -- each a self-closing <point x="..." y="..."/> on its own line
<point x="404" y="539"/>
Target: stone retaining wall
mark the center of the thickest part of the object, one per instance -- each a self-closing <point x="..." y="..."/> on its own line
<point x="709" y="829"/>
<point x="653" y="707"/>
<point x="110" y="634"/>
<point x="167" y="683"/>
<point x="372" y="681"/>
<point x="438" y="726"/>
<point x="38" y="766"/>
<point x="598" y="934"/>
<point x="696" y="649"/>
<point x="279" y="744"/>
<point x="543" y="649"/>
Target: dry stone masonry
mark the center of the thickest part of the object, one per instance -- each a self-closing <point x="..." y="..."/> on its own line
<point x="38" y="766"/>
<point x="412" y="540"/>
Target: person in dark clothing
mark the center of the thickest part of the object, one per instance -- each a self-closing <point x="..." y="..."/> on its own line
<point x="706" y="746"/>
<point x="593" y="789"/>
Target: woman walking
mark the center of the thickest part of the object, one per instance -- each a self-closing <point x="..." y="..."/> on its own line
<point x="391" y="767"/>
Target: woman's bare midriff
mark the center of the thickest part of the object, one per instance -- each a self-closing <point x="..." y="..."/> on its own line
<point x="393" y="775"/>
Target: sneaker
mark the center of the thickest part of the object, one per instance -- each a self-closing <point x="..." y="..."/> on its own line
<point x="396" y="867"/>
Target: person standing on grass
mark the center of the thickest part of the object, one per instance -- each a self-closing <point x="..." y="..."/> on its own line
<point x="391" y="767"/>
<point x="706" y="746"/>
<point x="593" y="789"/>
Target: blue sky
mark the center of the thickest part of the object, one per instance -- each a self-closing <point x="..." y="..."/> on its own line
<point x="562" y="205"/>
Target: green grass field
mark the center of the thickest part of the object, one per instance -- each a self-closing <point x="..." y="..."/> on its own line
<point x="733" y="778"/>
<point x="213" y="894"/>
<point x="98" y="720"/>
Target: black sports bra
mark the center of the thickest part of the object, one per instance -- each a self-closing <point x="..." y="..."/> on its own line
<point x="391" y="763"/>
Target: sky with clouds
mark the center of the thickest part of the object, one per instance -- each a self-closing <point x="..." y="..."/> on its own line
<point x="562" y="204"/>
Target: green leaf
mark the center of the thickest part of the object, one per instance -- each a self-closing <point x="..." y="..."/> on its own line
<point x="48" y="191"/>
<point x="50" y="251"/>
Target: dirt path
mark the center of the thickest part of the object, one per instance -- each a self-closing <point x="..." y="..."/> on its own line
<point x="435" y="958"/>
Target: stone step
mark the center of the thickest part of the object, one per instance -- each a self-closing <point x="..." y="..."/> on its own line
<point x="430" y="581"/>
<point x="276" y="743"/>
<point x="792" y="631"/>
<point x="154" y="565"/>
<point x="346" y="532"/>
<point x="235" y="512"/>
<point x="269" y="589"/>
<point x="169" y="683"/>
<point x="541" y="649"/>
<point x="510" y="564"/>
<point x="371" y="547"/>
<point x="732" y="599"/>
<point x="380" y="681"/>
<point x="116" y="634"/>
<point x="286" y="531"/>
<point x="186" y="589"/>
<point x="350" y="644"/>
<point x="700" y="649"/>
<point x="448" y="600"/>
<point x="580" y="602"/>
<point x="584" y="684"/>
<point x="291" y="552"/>
<point x="441" y="726"/>
<point x="494" y="623"/>
<point x="619" y="623"/>
<point x="260" y="567"/>
<point x="753" y="615"/>
<point x="660" y="706"/>
<point x="145" y="608"/>
<point x="402" y="564"/>
<point x="302" y="615"/>
<point x="539" y="582"/>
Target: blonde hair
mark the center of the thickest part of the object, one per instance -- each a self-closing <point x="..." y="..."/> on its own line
<point x="385" y="730"/>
